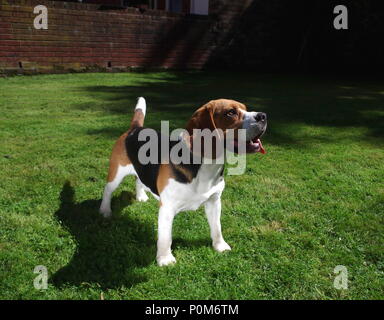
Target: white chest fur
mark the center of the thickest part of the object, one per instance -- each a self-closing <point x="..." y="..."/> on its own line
<point x="191" y="196"/>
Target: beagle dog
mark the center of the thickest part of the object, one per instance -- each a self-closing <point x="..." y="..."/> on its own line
<point x="183" y="186"/>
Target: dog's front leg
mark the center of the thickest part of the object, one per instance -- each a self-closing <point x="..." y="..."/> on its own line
<point x="213" y="212"/>
<point x="164" y="255"/>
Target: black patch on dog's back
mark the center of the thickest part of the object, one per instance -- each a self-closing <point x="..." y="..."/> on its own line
<point x="148" y="173"/>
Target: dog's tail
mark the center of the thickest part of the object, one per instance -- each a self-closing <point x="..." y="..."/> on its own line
<point x="139" y="115"/>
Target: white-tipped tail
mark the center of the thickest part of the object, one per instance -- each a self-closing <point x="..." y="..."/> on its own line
<point x="142" y="105"/>
<point x="139" y="114"/>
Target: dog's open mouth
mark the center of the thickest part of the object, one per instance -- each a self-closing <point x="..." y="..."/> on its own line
<point x="252" y="146"/>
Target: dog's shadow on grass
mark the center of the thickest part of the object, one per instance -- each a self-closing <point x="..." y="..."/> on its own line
<point x="109" y="252"/>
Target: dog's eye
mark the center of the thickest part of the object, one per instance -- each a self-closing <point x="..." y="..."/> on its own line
<point x="231" y="112"/>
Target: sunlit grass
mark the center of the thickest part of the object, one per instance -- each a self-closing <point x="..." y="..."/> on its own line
<point x="314" y="201"/>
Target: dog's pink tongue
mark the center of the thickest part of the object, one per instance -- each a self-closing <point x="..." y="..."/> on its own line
<point x="262" y="150"/>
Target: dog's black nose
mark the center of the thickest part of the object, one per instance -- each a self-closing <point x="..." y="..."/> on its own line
<point x="261" y="116"/>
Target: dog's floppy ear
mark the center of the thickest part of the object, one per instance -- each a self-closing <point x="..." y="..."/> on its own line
<point x="202" y="118"/>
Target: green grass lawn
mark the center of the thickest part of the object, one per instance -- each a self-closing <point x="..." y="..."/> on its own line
<point x="314" y="201"/>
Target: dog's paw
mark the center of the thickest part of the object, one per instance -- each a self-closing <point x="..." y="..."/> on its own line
<point x="221" y="246"/>
<point x="166" y="260"/>
<point x="142" y="197"/>
<point x="105" y="212"/>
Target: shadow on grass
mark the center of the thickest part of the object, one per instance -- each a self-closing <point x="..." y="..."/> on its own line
<point x="108" y="252"/>
<point x="289" y="100"/>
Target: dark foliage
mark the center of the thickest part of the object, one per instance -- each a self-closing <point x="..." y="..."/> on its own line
<point x="275" y="35"/>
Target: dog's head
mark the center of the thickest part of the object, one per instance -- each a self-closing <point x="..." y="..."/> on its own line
<point x="227" y="114"/>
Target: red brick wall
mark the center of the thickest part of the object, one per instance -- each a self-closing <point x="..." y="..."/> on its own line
<point x="81" y="37"/>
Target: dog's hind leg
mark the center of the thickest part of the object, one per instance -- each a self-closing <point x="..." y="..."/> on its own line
<point x="111" y="186"/>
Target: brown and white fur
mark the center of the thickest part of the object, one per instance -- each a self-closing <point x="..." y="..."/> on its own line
<point x="177" y="187"/>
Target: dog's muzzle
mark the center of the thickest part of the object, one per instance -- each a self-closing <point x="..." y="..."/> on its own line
<point x="255" y="124"/>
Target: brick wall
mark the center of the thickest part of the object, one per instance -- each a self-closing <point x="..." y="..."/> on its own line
<point x="81" y="37"/>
